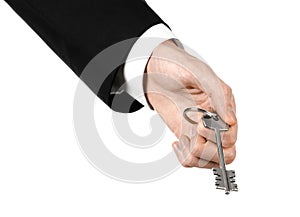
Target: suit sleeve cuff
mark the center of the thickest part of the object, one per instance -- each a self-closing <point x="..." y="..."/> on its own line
<point x="138" y="57"/>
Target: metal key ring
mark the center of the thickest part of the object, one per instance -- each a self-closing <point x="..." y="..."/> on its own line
<point x="195" y="109"/>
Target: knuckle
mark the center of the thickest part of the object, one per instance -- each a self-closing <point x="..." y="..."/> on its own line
<point x="184" y="164"/>
<point x="230" y="156"/>
<point x="196" y="150"/>
<point x="229" y="140"/>
<point x="202" y="164"/>
<point x="233" y="140"/>
<point x="187" y="162"/>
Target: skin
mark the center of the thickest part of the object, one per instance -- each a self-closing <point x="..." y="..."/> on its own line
<point x="176" y="80"/>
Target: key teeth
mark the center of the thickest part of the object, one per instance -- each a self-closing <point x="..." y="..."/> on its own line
<point x="220" y="188"/>
<point x="219" y="179"/>
<point x="234" y="187"/>
<point x="231" y="173"/>
<point x="215" y="171"/>
<point x="232" y="179"/>
<point x="219" y="183"/>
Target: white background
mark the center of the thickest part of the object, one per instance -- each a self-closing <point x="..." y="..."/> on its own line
<point x="253" y="45"/>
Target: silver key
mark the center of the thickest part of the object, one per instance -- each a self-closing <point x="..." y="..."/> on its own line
<point x="224" y="178"/>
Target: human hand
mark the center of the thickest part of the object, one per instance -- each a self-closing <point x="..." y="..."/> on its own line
<point x="176" y="80"/>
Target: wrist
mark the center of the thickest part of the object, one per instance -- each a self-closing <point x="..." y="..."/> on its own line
<point x="164" y="54"/>
<point x="162" y="61"/>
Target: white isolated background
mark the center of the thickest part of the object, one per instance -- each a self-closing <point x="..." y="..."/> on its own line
<point x="253" y="45"/>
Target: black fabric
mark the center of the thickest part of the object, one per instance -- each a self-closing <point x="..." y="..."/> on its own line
<point x="77" y="30"/>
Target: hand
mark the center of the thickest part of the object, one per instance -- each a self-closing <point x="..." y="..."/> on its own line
<point x="176" y="80"/>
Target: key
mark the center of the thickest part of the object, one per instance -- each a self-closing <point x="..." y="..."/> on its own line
<point x="225" y="179"/>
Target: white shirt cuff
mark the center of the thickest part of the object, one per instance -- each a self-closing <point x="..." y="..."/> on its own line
<point x="138" y="57"/>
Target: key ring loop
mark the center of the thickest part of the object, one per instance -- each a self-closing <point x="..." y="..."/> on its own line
<point x="195" y="109"/>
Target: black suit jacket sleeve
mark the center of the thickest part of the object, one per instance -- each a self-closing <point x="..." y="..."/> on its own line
<point x="77" y="30"/>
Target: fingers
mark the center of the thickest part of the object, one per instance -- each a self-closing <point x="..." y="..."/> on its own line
<point x="233" y="103"/>
<point x="208" y="151"/>
<point x="229" y="137"/>
<point x="229" y="110"/>
<point x="187" y="159"/>
<point x="192" y="161"/>
<point x="199" y="152"/>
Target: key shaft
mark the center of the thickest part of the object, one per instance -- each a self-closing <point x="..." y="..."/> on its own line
<point x="222" y="161"/>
